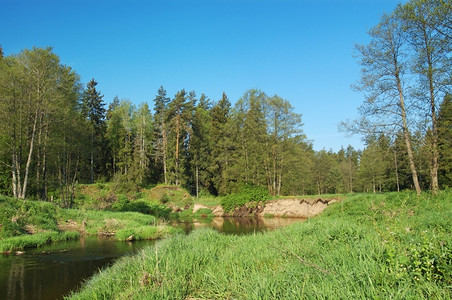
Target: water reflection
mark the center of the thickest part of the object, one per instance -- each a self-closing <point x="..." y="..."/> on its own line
<point x="51" y="272"/>
<point x="237" y="225"/>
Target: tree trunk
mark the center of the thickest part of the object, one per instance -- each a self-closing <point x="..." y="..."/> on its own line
<point x="15" y="170"/>
<point x="278" y="190"/>
<point x="406" y="136"/>
<point x="92" y="156"/>
<point x="30" y="153"/>
<point x="396" y="171"/>
<point x="434" y="162"/>
<point x="351" y="176"/>
<point x="197" y="181"/>
<point x="176" y="171"/>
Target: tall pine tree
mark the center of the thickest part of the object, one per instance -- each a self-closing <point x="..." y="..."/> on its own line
<point x="94" y="111"/>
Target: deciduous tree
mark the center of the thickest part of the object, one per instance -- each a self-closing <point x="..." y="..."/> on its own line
<point x="383" y="74"/>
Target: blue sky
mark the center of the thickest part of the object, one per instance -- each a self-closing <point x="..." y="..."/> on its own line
<point x="300" y="50"/>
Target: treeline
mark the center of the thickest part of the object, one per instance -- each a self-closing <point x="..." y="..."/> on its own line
<point x="55" y="133"/>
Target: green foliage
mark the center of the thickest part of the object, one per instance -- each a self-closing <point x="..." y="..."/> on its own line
<point x="29" y="224"/>
<point x="247" y="193"/>
<point x="157" y="210"/>
<point x="429" y="259"/>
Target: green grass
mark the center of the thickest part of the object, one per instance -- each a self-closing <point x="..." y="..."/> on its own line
<point x="35" y="240"/>
<point x="30" y="224"/>
<point x="392" y="246"/>
<point x="158" y="201"/>
<point x="208" y="200"/>
<point x="21" y="216"/>
<point x="121" y="225"/>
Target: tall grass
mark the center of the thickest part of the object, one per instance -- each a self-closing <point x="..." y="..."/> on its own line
<point x="366" y="247"/>
<point x="30" y="224"/>
<point x="121" y="225"/>
<point x="35" y="240"/>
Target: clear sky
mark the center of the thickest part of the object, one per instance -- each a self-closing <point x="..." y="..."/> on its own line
<point x="300" y="50"/>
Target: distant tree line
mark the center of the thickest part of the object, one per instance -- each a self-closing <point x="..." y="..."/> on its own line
<point x="55" y="133"/>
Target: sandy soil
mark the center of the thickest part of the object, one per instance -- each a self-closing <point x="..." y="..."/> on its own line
<point x="299" y="208"/>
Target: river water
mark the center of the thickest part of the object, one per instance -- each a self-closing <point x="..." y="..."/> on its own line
<point x="53" y="271"/>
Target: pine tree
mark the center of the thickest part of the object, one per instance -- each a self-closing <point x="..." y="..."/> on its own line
<point x="219" y="134"/>
<point x="180" y="112"/>
<point x="94" y="112"/>
<point x="160" y="140"/>
<point x="200" y="146"/>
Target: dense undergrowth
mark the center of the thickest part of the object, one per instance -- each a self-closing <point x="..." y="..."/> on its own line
<point x="390" y="246"/>
<point x="246" y="194"/>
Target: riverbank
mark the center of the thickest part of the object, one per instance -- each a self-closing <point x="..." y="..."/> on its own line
<point x="285" y="207"/>
<point x="396" y="245"/>
<point x="31" y="224"/>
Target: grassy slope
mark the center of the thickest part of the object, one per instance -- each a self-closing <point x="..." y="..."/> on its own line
<point x="368" y="246"/>
<point x="26" y="224"/>
<point x="109" y="195"/>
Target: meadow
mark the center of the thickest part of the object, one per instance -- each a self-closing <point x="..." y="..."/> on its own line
<point x="368" y="246"/>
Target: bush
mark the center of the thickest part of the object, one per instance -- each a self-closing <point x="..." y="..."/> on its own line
<point x="247" y="193"/>
<point x="158" y="210"/>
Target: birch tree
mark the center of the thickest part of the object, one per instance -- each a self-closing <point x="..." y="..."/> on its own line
<point x="424" y="31"/>
<point x="35" y="91"/>
<point x="384" y="80"/>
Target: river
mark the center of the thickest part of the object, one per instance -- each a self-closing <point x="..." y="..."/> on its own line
<point x="53" y="271"/>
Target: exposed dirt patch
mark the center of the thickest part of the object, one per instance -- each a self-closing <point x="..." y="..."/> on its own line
<point x="197" y="207"/>
<point x="71" y="225"/>
<point x="296" y="208"/>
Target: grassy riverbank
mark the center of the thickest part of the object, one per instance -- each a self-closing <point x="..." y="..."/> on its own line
<point x="395" y="246"/>
<point x="30" y="224"/>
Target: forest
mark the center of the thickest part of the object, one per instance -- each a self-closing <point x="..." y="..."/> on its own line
<point x="56" y="132"/>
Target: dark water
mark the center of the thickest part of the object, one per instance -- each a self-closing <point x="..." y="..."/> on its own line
<point x="237" y="225"/>
<point x="54" y="271"/>
<point x="62" y="268"/>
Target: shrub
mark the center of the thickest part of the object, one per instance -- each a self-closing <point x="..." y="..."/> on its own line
<point x="246" y="193"/>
